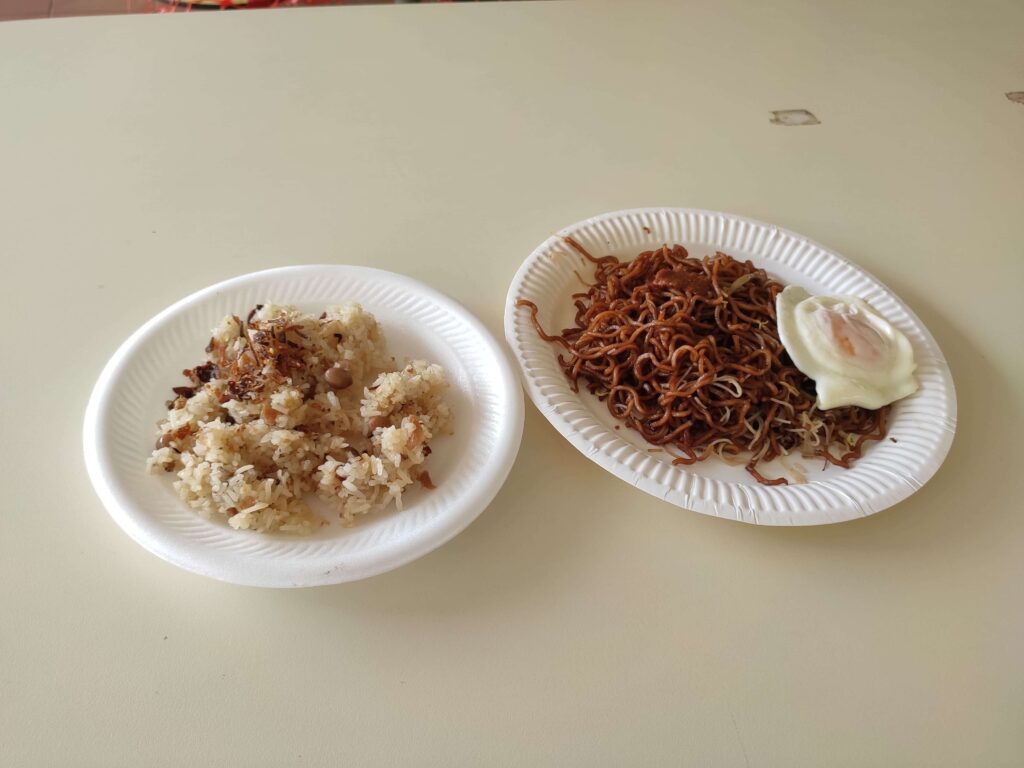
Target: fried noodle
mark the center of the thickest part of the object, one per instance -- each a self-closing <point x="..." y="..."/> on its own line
<point x="687" y="352"/>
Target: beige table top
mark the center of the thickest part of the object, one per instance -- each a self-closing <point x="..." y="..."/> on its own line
<point x="144" y="158"/>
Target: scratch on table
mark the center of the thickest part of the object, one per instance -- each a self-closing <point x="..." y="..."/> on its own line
<point x="736" y="728"/>
<point x="794" y="117"/>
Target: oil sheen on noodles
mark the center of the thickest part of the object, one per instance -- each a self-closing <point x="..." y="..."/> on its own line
<point x="686" y="352"/>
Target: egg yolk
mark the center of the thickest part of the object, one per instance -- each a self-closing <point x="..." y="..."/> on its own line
<point x="852" y="334"/>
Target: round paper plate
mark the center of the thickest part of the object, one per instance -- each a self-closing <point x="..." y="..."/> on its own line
<point x="467" y="468"/>
<point x="921" y="426"/>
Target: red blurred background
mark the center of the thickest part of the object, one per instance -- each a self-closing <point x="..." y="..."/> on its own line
<point x="37" y="9"/>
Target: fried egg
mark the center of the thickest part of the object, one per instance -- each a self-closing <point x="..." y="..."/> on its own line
<point x="854" y="355"/>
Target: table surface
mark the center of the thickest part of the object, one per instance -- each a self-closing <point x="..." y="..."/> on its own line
<point x="577" y="621"/>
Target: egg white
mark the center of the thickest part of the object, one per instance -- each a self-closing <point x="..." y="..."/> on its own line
<point x="854" y="355"/>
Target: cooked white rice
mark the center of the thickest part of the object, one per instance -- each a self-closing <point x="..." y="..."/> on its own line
<point x="259" y="427"/>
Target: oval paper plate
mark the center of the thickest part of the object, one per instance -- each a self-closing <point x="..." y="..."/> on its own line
<point x="467" y="468"/>
<point x="921" y="426"/>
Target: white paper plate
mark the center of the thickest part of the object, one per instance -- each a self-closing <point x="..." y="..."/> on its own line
<point x="468" y="467"/>
<point x="922" y="425"/>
